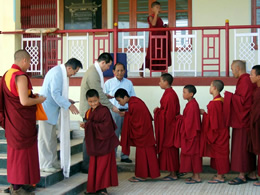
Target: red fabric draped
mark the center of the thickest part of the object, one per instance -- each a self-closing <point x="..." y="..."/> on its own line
<point x="237" y="106"/>
<point x="23" y="165"/>
<point x="138" y="131"/>
<point x="214" y="135"/>
<point x="137" y="128"/>
<point x="190" y="130"/>
<point x="159" y="24"/>
<point x="165" y="127"/>
<point x="100" y="132"/>
<point x="20" y="121"/>
<point x="254" y="133"/>
<point x="190" y="138"/>
<point x="214" y="140"/>
<point x="165" y="119"/>
<point x="102" y="172"/>
<point x="146" y="163"/>
<point x="237" y="115"/>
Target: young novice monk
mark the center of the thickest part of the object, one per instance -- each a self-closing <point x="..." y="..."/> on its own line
<point x="165" y="124"/>
<point x="215" y="135"/>
<point x="101" y="141"/>
<point x="155" y="21"/>
<point x="190" y="137"/>
<point x="138" y="131"/>
<point x="254" y="132"/>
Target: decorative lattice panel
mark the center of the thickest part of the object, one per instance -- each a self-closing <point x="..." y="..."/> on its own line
<point x="135" y="50"/>
<point x="245" y="48"/>
<point x="184" y="60"/>
<point x="77" y="47"/>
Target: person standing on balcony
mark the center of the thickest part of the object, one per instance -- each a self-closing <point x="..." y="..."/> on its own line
<point x="55" y="88"/>
<point x="111" y="86"/>
<point x="94" y="79"/>
<point x="18" y="118"/>
<point x="155" y="21"/>
<point x="254" y="133"/>
<point x="237" y="115"/>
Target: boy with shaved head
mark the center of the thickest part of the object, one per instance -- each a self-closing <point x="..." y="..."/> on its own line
<point x="214" y="141"/>
<point x="237" y="115"/>
<point x="190" y="136"/>
<point x="165" y="127"/>
<point x="254" y="138"/>
<point x="138" y="131"/>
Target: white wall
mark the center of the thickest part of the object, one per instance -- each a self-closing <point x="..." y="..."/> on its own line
<point x="151" y="95"/>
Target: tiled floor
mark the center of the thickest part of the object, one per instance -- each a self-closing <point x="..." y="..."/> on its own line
<point x="179" y="187"/>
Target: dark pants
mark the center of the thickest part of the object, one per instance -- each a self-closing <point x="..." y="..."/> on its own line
<point x="85" y="163"/>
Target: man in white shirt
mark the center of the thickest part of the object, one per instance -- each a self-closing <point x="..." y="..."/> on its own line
<point x="110" y="87"/>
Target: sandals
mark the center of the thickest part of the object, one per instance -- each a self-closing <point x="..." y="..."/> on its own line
<point x="237" y="181"/>
<point x="216" y="181"/>
<point x="190" y="180"/>
<point x="257" y="184"/>
<point x="169" y="178"/>
<point x="251" y="179"/>
<point x="136" y="179"/>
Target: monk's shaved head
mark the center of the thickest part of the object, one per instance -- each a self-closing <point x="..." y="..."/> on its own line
<point x="121" y="93"/>
<point x="20" y="55"/>
<point x="240" y="64"/>
<point x="191" y="89"/>
<point x="257" y="69"/>
<point x="218" y="84"/>
<point x="167" y="77"/>
<point x="92" y="93"/>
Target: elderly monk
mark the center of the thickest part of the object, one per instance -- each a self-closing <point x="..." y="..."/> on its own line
<point x="237" y="115"/>
<point x="18" y="112"/>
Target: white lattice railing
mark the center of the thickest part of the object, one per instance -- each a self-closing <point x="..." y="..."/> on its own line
<point x="186" y="54"/>
<point x="78" y="47"/>
<point x="33" y="45"/>
<point x="135" y="51"/>
<point x="245" y="48"/>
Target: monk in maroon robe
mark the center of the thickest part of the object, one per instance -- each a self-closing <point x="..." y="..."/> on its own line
<point x="165" y="125"/>
<point x="237" y="115"/>
<point x="18" y="109"/>
<point x="155" y="21"/>
<point x="214" y="140"/>
<point x="190" y="136"/>
<point x="254" y="133"/>
<point x="101" y="142"/>
<point x="138" y="131"/>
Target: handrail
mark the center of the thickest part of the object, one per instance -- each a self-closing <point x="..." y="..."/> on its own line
<point x="140" y="29"/>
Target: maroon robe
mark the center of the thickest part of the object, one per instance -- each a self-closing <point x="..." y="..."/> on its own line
<point x="254" y="133"/>
<point x="237" y="115"/>
<point x="190" y="138"/>
<point x="138" y="131"/>
<point x="214" y="140"/>
<point x="159" y="24"/>
<point x="21" y="133"/>
<point x="165" y="125"/>
<point x="101" y="141"/>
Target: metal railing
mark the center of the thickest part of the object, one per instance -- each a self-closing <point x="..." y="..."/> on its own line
<point x="203" y="51"/>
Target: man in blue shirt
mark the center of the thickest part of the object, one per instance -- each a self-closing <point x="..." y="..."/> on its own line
<point x="55" y="89"/>
<point x="111" y="86"/>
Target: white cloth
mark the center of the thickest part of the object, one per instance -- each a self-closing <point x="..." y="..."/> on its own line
<point x="97" y="66"/>
<point x="65" y="127"/>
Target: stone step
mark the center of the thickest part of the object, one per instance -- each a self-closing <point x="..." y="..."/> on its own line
<point x="71" y="186"/>
<point x="2" y="133"/>
<point x="48" y="179"/>
<point x="3" y="146"/>
<point x="76" y="146"/>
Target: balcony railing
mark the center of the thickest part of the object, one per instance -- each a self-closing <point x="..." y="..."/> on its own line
<point x="203" y="51"/>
